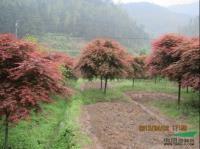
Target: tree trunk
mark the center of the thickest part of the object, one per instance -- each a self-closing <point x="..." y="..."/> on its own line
<point x="199" y="100"/>
<point x="38" y="109"/>
<point x="179" y="93"/>
<point x="187" y="89"/>
<point x="155" y="80"/>
<point x="6" y="132"/>
<point x="106" y="80"/>
<point x="133" y="82"/>
<point x="101" y="82"/>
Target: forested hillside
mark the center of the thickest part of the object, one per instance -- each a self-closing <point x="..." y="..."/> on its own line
<point x="156" y="19"/>
<point x="77" y="19"/>
<point x="189" y="9"/>
<point x="192" y="28"/>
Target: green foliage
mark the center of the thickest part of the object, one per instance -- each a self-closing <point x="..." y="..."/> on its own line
<point x="56" y="128"/>
<point x="61" y="43"/>
<point x="92" y="96"/>
<point x="163" y="85"/>
<point x="189" y="109"/>
<point x="144" y="51"/>
<point x="192" y="28"/>
<point x="31" y="38"/>
<point x="34" y="133"/>
<point x="68" y="74"/>
<point x="82" y="19"/>
<point x="67" y="134"/>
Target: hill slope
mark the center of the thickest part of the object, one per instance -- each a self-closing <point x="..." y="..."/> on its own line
<point x="188" y="9"/>
<point x="86" y="19"/>
<point x="156" y="19"/>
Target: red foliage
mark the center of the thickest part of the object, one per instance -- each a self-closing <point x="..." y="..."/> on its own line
<point x="187" y="68"/>
<point x="26" y="78"/>
<point x="136" y="68"/>
<point x="141" y="70"/>
<point x="177" y="58"/>
<point x="166" y="50"/>
<point x="190" y="65"/>
<point x="153" y="69"/>
<point x="105" y="58"/>
<point x="66" y="61"/>
<point x="131" y="67"/>
<point x="62" y="58"/>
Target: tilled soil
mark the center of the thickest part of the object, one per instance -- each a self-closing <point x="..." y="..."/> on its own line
<point x="115" y="125"/>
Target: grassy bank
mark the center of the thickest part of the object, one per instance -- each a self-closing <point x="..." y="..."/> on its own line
<point x="55" y="128"/>
<point x="68" y="134"/>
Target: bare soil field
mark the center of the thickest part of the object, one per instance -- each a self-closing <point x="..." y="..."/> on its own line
<point x="115" y="125"/>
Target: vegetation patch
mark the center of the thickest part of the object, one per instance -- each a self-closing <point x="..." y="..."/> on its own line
<point x="56" y="127"/>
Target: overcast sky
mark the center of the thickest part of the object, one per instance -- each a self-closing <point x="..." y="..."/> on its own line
<point x="160" y="2"/>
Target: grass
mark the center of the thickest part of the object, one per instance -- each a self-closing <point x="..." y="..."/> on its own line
<point x="68" y="134"/>
<point x="61" y="43"/>
<point x="188" y="112"/>
<point x="57" y="127"/>
<point x="190" y="104"/>
<point x="189" y="108"/>
<point x="92" y="96"/>
<point x="147" y="85"/>
<point x="35" y="132"/>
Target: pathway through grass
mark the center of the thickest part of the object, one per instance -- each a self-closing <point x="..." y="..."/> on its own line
<point x="58" y="127"/>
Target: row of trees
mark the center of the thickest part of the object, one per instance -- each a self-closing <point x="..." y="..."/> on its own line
<point x="173" y="56"/>
<point x="177" y="58"/>
<point x="29" y="75"/>
<point x="106" y="59"/>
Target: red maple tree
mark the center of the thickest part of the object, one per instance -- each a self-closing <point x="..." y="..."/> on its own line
<point x="136" y="67"/>
<point x="191" y="60"/>
<point x="102" y="58"/>
<point x="167" y="51"/>
<point x="186" y="69"/>
<point x="26" y="78"/>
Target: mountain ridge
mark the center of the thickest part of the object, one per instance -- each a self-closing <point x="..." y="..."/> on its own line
<point x="155" y="18"/>
<point x="191" y="9"/>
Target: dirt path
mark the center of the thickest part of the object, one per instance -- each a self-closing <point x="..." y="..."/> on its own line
<point x="115" y="125"/>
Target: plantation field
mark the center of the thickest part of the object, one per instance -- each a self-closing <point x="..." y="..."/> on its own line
<point x="91" y="119"/>
<point x="91" y="74"/>
<point x="62" y="43"/>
